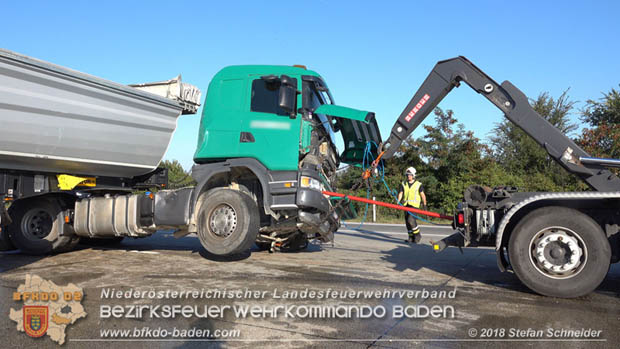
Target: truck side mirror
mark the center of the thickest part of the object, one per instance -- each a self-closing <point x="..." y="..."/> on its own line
<point x="287" y="100"/>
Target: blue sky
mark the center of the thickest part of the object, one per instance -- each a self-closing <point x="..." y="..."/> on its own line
<point x="373" y="55"/>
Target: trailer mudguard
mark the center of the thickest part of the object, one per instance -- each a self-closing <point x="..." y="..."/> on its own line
<point x="172" y="207"/>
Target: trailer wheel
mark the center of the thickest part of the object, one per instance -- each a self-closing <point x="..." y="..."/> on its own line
<point x="35" y="227"/>
<point x="559" y="252"/>
<point x="228" y="222"/>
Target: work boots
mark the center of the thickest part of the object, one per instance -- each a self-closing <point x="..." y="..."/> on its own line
<point x="414" y="237"/>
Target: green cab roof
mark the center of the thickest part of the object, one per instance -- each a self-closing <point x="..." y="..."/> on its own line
<point x="239" y="71"/>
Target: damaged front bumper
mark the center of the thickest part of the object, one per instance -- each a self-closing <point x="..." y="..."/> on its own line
<point x="316" y="217"/>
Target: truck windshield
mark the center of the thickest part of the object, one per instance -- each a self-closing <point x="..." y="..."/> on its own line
<point x="313" y="98"/>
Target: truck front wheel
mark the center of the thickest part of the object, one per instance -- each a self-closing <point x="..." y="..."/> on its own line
<point x="559" y="252"/>
<point x="228" y="221"/>
<point x="35" y="227"/>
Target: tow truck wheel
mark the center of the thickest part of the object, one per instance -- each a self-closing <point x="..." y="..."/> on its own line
<point x="35" y="227"/>
<point x="228" y="222"/>
<point x="559" y="252"/>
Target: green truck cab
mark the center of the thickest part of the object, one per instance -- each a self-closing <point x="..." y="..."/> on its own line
<point x="270" y="132"/>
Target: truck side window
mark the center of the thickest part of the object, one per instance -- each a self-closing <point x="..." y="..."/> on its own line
<point x="265" y="97"/>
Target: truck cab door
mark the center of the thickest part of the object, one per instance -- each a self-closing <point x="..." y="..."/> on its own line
<point x="270" y="133"/>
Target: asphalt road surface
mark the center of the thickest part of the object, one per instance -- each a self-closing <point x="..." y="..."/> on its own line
<point x="371" y="258"/>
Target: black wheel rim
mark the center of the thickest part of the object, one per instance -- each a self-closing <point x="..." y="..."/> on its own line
<point x="37" y="224"/>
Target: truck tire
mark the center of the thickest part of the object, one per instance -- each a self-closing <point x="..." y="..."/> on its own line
<point x="228" y="222"/>
<point x="559" y="252"/>
<point x="35" y="227"/>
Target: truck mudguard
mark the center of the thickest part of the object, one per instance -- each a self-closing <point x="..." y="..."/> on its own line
<point x="586" y="195"/>
<point x="272" y="182"/>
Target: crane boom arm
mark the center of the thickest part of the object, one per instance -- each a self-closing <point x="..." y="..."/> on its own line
<point x="513" y="103"/>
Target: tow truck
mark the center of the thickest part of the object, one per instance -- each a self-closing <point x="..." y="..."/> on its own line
<point x="558" y="244"/>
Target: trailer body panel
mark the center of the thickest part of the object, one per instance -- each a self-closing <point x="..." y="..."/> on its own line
<point x="58" y="120"/>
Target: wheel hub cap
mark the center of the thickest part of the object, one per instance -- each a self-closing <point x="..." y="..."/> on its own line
<point x="558" y="252"/>
<point x="223" y="221"/>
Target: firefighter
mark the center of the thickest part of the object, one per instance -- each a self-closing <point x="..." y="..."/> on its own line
<point x="412" y="194"/>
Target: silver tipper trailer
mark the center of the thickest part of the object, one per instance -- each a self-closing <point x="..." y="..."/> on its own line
<point x="74" y="148"/>
<point x="58" y="120"/>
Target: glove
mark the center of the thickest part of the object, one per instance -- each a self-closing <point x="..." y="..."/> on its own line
<point x="424" y="207"/>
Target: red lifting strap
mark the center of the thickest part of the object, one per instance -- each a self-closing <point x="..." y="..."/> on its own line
<point x="385" y="204"/>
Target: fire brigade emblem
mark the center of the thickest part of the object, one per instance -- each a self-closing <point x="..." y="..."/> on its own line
<point x="35" y="320"/>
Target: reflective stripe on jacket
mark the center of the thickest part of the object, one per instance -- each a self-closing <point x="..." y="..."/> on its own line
<point x="411" y="194"/>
